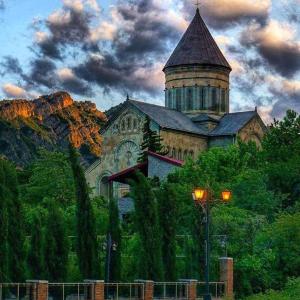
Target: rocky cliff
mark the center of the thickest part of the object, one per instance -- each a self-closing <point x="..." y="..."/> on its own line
<point x="49" y="122"/>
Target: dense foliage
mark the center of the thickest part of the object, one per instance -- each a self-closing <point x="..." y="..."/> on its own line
<point x="67" y="231"/>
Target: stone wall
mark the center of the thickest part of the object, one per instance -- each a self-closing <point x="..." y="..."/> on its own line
<point x="182" y="143"/>
<point x="205" y="76"/>
<point x="253" y="131"/>
<point x="159" y="168"/>
<point x="120" y="148"/>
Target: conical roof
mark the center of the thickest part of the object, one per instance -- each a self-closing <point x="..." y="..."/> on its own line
<point x="197" y="46"/>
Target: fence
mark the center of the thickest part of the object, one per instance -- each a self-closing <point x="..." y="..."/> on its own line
<point x="14" y="291"/>
<point x="98" y="290"/>
<point x="170" y="290"/>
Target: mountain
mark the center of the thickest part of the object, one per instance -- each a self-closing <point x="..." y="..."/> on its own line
<point x="49" y="122"/>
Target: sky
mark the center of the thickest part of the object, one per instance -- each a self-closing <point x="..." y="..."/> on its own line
<point x="101" y="50"/>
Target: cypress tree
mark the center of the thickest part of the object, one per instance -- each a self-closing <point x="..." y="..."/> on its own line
<point x="4" y="276"/>
<point x="16" y="235"/>
<point x="113" y="259"/>
<point x="36" y="261"/>
<point x="151" y="142"/>
<point x="86" y="232"/>
<point x="147" y="226"/>
<point x="167" y="209"/>
<point x="56" y="244"/>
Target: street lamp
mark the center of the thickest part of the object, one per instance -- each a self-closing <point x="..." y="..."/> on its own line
<point x="202" y="197"/>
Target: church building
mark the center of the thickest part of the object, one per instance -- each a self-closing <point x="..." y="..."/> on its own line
<point x="196" y="115"/>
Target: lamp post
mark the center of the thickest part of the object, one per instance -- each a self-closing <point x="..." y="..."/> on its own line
<point x="202" y="197"/>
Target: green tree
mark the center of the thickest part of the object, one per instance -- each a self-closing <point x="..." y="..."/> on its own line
<point x="36" y="259"/>
<point x="147" y="227"/>
<point x="50" y="176"/>
<point x="113" y="259"/>
<point x="12" y="223"/>
<point x="16" y="234"/>
<point x="56" y="244"/>
<point x="167" y="211"/>
<point x="250" y="191"/>
<point x="282" y="239"/>
<point x="151" y="142"/>
<point x="86" y="232"/>
<point x="281" y="148"/>
<point x="4" y="276"/>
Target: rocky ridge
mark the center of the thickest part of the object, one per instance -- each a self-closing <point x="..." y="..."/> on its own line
<point x="49" y="122"/>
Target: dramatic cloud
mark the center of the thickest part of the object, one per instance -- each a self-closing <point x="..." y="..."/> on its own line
<point x="226" y="13"/>
<point x="141" y="32"/>
<point x="277" y="44"/>
<point x="11" y="65"/>
<point x="80" y="49"/>
<point x="287" y="95"/>
<point x="13" y="91"/>
<point x="70" y="82"/>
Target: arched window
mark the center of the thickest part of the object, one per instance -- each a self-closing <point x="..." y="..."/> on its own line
<point x="185" y="154"/>
<point x="135" y="124"/>
<point x="173" y="153"/>
<point x="214" y="99"/>
<point x="179" y="154"/>
<point x="178" y="100"/>
<point x="104" y="187"/>
<point x="123" y="125"/>
<point x="223" y="100"/>
<point x="169" y="151"/>
<point x="189" y="98"/>
<point x="205" y="98"/>
<point x="129" y="124"/>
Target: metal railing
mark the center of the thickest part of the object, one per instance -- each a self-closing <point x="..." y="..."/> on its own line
<point x="123" y="291"/>
<point x="14" y="291"/>
<point x="217" y="289"/>
<point x="170" y="290"/>
<point x="67" y="291"/>
<point x="112" y="291"/>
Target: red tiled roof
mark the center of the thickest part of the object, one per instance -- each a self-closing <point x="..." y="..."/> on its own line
<point x="126" y="174"/>
<point x="172" y="161"/>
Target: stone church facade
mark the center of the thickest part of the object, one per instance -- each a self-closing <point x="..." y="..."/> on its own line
<point x="196" y="115"/>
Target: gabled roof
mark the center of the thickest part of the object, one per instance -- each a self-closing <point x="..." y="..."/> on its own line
<point x="167" y="118"/>
<point x="172" y="161"/>
<point x="231" y="123"/>
<point x="197" y="46"/>
<point x="204" y="118"/>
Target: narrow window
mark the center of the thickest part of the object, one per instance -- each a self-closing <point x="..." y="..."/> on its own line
<point x="223" y="100"/>
<point x="185" y="154"/>
<point x="128" y="123"/>
<point x="179" y="154"/>
<point x="178" y="99"/>
<point x="189" y="99"/>
<point x="123" y="125"/>
<point x="214" y="98"/>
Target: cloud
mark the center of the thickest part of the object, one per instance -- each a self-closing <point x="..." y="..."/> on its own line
<point x="2" y="5"/>
<point x="277" y="44"/>
<point x="140" y="34"/>
<point x="286" y="94"/>
<point x="13" y="91"/>
<point x="11" y="65"/>
<point x="226" y="13"/>
<point x="70" y="82"/>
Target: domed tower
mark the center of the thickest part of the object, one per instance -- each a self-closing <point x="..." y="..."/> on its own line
<point x="197" y="73"/>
